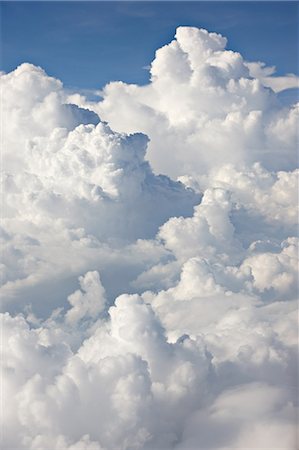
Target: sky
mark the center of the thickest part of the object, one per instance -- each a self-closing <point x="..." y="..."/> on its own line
<point x="149" y="234"/>
<point x="87" y="44"/>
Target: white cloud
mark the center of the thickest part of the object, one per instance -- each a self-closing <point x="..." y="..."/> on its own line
<point x="276" y="83"/>
<point x="181" y="331"/>
<point x="128" y="386"/>
<point x="90" y="303"/>
<point x="33" y="104"/>
<point x="235" y="420"/>
<point x="73" y="191"/>
<point x="207" y="99"/>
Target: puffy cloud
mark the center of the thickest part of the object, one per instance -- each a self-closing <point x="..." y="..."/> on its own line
<point x="79" y="189"/>
<point x="209" y="231"/>
<point x="129" y="386"/>
<point x="181" y="331"/>
<point x="90" y="303"/>
<point x="276" y="271"/>
<point x="112" y="390"/>
<point x="34" y="104"/>
<point x="205" y="98"/>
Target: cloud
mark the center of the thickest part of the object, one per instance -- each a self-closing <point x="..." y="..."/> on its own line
<point x="208" y="99"/>
<point x="118" y="380"/>
<point x="34" y="104"/>
<point x="277" y="84"/>
<point x="88" y="304"/>
<point x="236" y="420"/>
<point x="129" y="386"/>
<point x="140" y="312"/>
<point x="78" y="187"/>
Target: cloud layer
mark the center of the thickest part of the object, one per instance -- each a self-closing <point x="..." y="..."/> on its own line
<point x="139" y="311"/>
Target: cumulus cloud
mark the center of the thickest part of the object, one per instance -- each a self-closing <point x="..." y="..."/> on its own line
<point x="34" y="104"/>
<point x="74" y="188"/>
<point x="142" y="312"/>
<point x="208" y="99"/>
<point x="89" y="303"/>
<point x="128" y="385"/>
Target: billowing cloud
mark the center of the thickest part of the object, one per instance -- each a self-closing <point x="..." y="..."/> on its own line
<point x="134" y="384"/>
<point x="140" y="312"/>
<point x="208" y="99"/>
<point x="74" y="191"/>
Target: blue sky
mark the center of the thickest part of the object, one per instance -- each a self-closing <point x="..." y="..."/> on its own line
<point x="87" y="44"/>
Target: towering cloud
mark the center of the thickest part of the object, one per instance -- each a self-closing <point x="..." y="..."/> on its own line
<point x="140" y="312"/>
<point x="205" y="98"/>
<point x="76" y="193"/>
